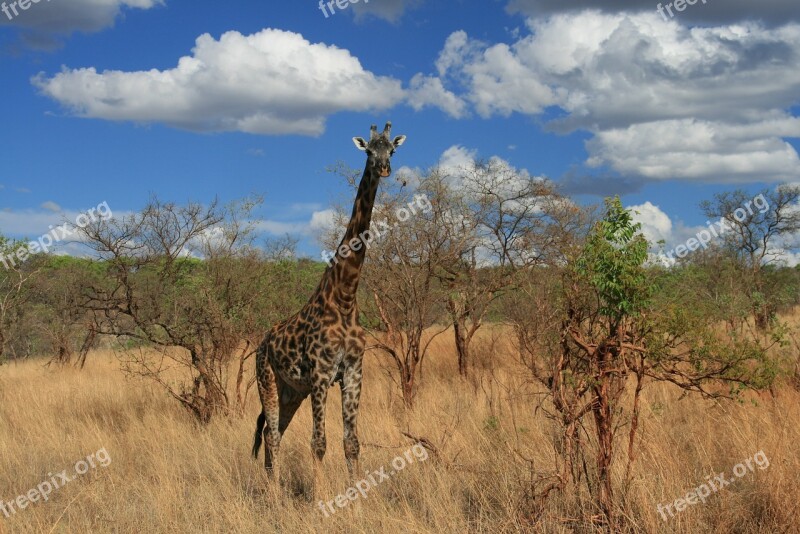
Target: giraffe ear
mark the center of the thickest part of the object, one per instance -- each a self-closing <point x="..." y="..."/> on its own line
<point x="399" y="140"/>
<point x="360" y="143"/>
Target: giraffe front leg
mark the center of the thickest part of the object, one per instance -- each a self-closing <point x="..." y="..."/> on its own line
<point x="351" y="394"/>
<point x="319" y="397"/>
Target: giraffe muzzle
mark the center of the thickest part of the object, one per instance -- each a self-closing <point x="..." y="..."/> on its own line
<point x="385" y="171"/>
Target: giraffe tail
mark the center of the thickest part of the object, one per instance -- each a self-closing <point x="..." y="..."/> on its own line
<point x="260" y="422"/>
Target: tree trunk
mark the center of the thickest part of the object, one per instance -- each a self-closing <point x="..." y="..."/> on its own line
<point x="63" y="354"/>
<point x="409" y="371"/>
<point x="88" y="342"/>
<point x="605" y="440"/>
<point x="570" y="454"/>
<point x="763" y="315"/>
<point x="761" y="308"/>
<point x="407" y="383"/>
<point x="206" y="398"/>
<point x="637" y="394"/>
<point x="462" y="345"/>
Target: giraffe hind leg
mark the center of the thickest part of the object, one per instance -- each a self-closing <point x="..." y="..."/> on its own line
<point x="268" y="392"/>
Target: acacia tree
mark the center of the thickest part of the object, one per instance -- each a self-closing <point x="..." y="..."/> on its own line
<point x="184" y="280"/>
<point x="401" y="274"/>
<point x="492" y="221"/>
<point x="604" y="334"/>
<point x="604" y="326"/>
<point x="16" y="275"/>
<point x="756" y="233"/>
<point x="498" y="224"/>
<point x="57" y="311"/>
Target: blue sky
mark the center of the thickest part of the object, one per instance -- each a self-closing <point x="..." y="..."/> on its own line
<point x="115" y="100"/>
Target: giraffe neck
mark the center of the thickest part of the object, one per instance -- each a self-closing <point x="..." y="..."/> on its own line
<point x="344" y="274"/>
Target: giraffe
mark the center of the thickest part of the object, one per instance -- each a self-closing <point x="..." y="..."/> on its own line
<point x="323" y="343"/>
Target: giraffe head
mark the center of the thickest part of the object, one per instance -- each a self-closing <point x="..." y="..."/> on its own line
<point x="380" y="149"/>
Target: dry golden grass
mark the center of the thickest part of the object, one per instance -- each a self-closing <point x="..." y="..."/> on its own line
<point x="169" y="475"/>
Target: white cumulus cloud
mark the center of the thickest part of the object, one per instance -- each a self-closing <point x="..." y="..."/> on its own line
<point x="428" y="91"/>
<point x="270" y="82"/>
<point x="656" y="225"/>
<point x="661" y="99"/>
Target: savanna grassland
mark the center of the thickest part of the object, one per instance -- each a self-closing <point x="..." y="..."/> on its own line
<point x="488" y="443"/>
